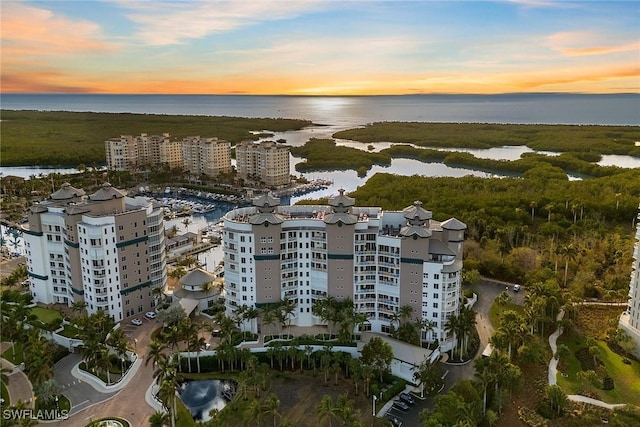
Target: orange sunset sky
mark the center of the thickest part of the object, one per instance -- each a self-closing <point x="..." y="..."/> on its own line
<point x="320" y="47"/>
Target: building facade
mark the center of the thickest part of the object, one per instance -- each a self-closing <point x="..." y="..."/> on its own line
<point x="206" y="156"/>
<point x="209" y="156"/>
<point x="265" y="161"/>
<point x="382" y="260"/>
<point x="105" y="249"/>
<point x="131" y="153"/>
<point x="630" y="319"/>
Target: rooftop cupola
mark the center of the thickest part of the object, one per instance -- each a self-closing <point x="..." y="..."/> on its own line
<point x="67" y="192"/>
<point x="107" y="192"/>
<point x="416" y="215"/>
<point x="266" y="206"/>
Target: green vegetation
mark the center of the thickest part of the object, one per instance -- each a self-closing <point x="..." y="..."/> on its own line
<point x="46" y="315"/>
<point x="4" y="393"/>
<point x="14" y="355"/>
<point x="625" y="376"/>
<point x="324" y="154"/>
<point x="559" y="138"/>
<point x="70" y="331"/>
<point x="68" y="139"/>
<point x="98" y="423"/>
<point x="496" y="310"/>
<point x="531" y="229"/>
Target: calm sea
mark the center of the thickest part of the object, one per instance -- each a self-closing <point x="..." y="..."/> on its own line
<point x="345" y="111"/>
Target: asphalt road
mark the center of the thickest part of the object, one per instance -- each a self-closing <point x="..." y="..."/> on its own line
<point x="487" y="290"/>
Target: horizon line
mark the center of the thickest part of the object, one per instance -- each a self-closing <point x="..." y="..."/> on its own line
<point x="323" y="95"/>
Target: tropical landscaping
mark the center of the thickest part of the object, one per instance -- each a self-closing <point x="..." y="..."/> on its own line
<point x="564" y="241"/>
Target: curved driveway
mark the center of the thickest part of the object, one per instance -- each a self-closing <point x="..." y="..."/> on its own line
<point x="128" y="403"/>
<point x="487" y="291"/>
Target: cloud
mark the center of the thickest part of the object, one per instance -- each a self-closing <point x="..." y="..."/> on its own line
<point x="31" y="31"/>
<point x="581" y="43"/>
<point x="40" y="82"/>
<point x="175" y="22"/>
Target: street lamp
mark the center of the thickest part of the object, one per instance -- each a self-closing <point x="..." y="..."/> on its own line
<point x="57" y="404"/>
<point x="374" y="404"/>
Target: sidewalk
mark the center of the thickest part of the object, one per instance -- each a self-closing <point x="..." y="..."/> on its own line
<point x="19" y="385"/>
<point x="553" y="373"/>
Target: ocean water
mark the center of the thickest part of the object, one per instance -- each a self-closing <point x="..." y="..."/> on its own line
<point x="348" y="111"/>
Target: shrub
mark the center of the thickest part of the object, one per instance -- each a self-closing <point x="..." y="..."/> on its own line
<point x="607" y="383"/>
<point x="586" y="360"/>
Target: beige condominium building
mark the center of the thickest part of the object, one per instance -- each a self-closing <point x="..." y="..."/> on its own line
<point x="382" y="260"/>
<point x="630" y="319"/>
<point x="105" y="249"/>
<point x="131" y="153"/>
<point x="266" y="162"/>
<point x="208" y="156"/>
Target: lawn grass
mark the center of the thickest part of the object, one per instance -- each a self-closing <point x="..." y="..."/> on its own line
<point x="69" y="331"/>
<point x="496" y="310"/>
<point x="46" y="315"/>
<point x="4" y="393"/>
<point x="184" y="416"/>
<point x="63" y="403"/>
<point x="9" y="354"/>
<point x="626" y="378"/>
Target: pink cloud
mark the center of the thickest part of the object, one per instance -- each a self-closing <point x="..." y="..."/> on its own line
<point x="32" y="31"/>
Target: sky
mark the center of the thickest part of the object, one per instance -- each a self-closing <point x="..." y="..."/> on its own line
<point x="319" y="47"/>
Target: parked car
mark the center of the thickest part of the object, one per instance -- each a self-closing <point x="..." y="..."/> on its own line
<point x="150" y="315"/>
<point x="399" y="404"/>
<point x="406" y="398"/>
<point x="516" y="288"/>
<point x="136" y="322"/>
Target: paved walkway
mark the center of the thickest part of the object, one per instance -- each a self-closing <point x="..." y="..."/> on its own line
<point x="93" y="400"/>
<point x="19" y="385"/>
<point x="553" y="372"/>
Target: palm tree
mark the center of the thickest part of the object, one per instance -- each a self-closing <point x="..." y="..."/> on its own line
<point x="268" y="317"/>
<point x="557" y="398"/>
<point x="288" y="308"/>
<point x="503" y="299"/>
<point x="271" y="406"/>
<point x="79" y="307"/>
<point x="103" y="362"/>
<point x="568" y="252"/>
<point x="158" y="419"/>
<point x="186" y="223"/>
<point x="253" y="412"/>
<point x="167" y="376"/>
<point x="347" y="415"/>
<point x="467" y="319"/>
<point x="486" y="377"/>
<point x="533" y="209"/>
<point x="549" y="209"/>
<point x="326" y="409"/>
<point x="155" y="352"/>
<point x="453" y="327"/>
